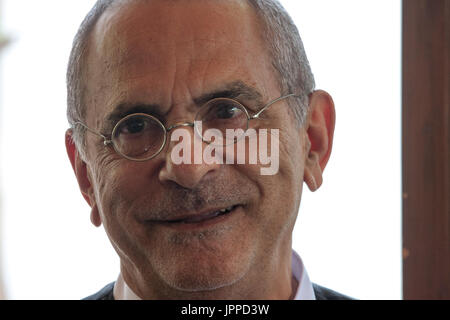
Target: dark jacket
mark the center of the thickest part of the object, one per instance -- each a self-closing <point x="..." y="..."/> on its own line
<point x="321" y="294"/>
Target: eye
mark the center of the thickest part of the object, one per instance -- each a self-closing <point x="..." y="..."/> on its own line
<point x="227" y="111"/>
<point x="221" y="110"/>
<point x="223" y="114"/>
<point x="134" y="125"/>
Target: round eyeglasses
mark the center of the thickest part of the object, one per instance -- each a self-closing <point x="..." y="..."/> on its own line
<point x="141" y="137"/>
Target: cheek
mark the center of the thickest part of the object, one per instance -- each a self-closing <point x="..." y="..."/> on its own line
<point x="117" y="185"/>
<point x="108" y="191"/>
<point x="285" y="188"/>
<point x="292" y="154"/>
<point x="280" y="193"/>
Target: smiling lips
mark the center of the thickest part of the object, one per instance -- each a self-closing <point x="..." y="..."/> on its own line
<point x="197" y="218"/>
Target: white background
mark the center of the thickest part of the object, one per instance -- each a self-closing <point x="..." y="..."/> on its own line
<point x="348" y="232"/>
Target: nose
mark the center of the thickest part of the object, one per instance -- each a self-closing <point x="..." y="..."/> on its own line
<point x="184" y="163"/>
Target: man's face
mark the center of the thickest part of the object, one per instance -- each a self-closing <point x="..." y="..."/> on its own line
<point x="164" y="56"/>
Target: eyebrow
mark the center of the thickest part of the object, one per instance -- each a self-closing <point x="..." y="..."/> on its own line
<point x="233" y="90"/>
<point x="124" y="109"/>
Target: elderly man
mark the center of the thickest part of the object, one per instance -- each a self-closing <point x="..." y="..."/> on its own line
<point x="139" y="72"/>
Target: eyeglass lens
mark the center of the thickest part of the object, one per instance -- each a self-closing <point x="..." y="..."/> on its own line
<point x="138" y="136"/>
<point x="222" y="114"/>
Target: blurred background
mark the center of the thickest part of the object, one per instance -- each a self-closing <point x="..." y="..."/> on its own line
<point x="348" y="233"/>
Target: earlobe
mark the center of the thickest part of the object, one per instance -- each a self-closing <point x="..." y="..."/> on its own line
<point x="320" y="132"/>
<point x="80" y="169"/>
<point x="95" y="216"/>
<point x="313" y="173"/>
<point x="311" y="182"/>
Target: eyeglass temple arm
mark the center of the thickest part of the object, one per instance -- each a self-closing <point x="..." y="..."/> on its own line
<point x="256" y="115"/>
<point x="106" y="140"/>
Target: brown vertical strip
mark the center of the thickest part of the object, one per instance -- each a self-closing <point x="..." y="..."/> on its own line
<point x="426" y="148"/>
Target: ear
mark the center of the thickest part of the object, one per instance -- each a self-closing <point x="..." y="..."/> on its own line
<point x="81" y="173"/>
<point x="320" y="131"/>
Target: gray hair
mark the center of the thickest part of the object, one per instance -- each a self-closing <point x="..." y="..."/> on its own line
<point x="278" y="30"/>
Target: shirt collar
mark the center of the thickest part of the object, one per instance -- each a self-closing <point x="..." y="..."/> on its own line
<point x="305" y="289"/>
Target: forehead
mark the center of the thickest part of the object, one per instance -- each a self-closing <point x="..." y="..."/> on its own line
<point x="143" y="22"/>
<point x="164" y="50"/>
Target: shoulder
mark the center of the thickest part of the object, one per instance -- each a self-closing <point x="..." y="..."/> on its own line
<point x="105" y="294"/>
<point x="323" y="293"/>
<point x="320" y="292"/>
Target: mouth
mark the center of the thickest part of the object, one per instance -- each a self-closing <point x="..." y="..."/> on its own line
<point x="202" y="219"/>
<point x="197" y="218"/>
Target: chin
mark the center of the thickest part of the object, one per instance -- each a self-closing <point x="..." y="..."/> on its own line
<point x="201" y="283"/>
<point x="202" y="267"/>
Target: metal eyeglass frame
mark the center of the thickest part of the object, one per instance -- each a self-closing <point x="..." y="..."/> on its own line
<point x="108" y="142"/>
